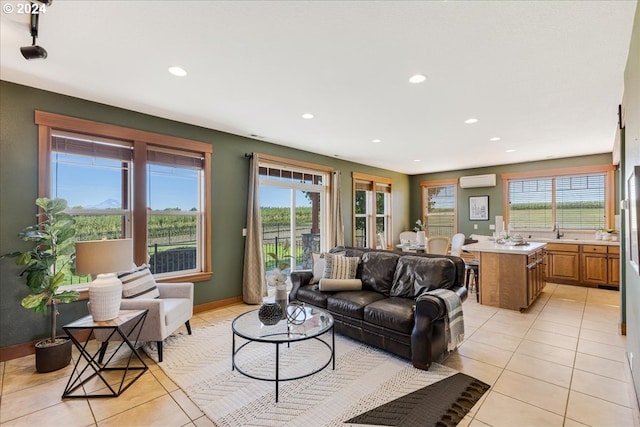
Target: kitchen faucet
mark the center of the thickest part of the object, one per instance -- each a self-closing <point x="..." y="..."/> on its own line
<point x="558" y="234"/>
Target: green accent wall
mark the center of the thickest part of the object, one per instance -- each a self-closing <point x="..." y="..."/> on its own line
<point x="19" y="186"/>
<point x="495" y="193"/>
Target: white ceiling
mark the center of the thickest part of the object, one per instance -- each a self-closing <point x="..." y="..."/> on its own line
<point x="544" y="76"/>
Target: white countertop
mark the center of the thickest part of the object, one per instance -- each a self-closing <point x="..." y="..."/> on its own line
<point x="504" y="248"/>
<point x="569" y="240"/>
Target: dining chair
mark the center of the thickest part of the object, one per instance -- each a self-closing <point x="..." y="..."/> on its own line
<point x="410" y="237"/>
<point x="456" y="244"/>
<point x="438" y="245"/>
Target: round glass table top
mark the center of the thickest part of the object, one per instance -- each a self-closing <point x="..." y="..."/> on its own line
<point x="308" y="323"/>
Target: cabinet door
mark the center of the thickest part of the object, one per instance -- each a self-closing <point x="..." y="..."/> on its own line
<point x="594" y="268"/>
<point x="613" y="277"/>
<point x="563" y="266"/>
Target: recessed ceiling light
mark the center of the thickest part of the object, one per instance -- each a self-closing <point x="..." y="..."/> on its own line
<point x="494" y="139"/>
<point x="375" y="141"/>
<point x="471" y="120"/>
<point x="308" y="116"/>
<point x="417" y="78"/>
<point x="417" y="160"/>
<point x="177" y="71"/>
<point x="511" y="150"/>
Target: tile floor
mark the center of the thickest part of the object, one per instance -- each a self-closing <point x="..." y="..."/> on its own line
<point x="560" y="363"/>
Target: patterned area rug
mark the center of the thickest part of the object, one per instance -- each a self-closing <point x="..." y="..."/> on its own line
<point x="364" y="378"/>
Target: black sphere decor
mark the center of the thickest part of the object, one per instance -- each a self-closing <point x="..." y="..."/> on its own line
<point x="270" y="313"/>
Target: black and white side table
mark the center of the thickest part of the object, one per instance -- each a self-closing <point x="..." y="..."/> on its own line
<point x="123" y="365"/>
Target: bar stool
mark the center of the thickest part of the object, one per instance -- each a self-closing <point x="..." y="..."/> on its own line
<point x="471" y="271"/>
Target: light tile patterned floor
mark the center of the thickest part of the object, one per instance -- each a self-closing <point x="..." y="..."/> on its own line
<point x="560" y="363"/>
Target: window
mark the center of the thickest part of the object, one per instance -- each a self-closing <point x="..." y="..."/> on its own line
<point x="571" y="199"/>
<point x="372" y="209"/>
<point x="294" y="210"/>
<point x="439" y="207"/>
<point x="124" y="183"/>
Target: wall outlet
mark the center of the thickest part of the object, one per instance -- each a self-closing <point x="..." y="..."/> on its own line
<point x="492" y="226"/>
<point x="244" y="232"/>
<point x="475" y="226"/>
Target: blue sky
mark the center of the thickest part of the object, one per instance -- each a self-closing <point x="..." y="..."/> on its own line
<point x="87" y="182"/>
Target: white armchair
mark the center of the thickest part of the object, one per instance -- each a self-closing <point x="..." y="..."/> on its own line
<point x="166" y="313"/>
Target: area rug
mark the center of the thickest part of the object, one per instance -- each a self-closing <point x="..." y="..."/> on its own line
<point x="364" y="378"/>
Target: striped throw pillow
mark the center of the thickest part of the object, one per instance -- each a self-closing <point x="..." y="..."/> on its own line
<point x="340" y="267"/>
<point x="139" y="283"/>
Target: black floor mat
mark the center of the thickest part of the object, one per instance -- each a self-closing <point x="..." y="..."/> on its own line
<point x="441" y="404"/>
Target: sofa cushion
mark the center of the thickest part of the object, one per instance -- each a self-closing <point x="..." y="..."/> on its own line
<point x="422" y="273"/>
<point x="352" y="303"/>
<point x="340" y="267"/>
<point x="378" y="269"/>
<point x="312" y="295"/>
<point x="392" y="313"/>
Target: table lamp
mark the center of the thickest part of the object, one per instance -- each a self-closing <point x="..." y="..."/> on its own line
<point x="104" y="258"/>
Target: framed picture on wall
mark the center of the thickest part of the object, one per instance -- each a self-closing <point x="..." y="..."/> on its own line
<point x="632" y="227"/>
<point x="478" y="208"/>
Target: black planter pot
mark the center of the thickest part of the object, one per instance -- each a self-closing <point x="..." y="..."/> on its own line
<point x="53" y="356"/>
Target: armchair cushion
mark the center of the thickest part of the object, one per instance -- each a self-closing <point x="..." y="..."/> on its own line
<point x="138" y="283"/>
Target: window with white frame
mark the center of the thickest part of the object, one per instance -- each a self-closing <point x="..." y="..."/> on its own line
<point x="578" y="199"/>
<point x="372" y="210"/>
<point x="294" y="211"/>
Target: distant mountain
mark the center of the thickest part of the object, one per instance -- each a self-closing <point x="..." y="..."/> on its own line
<point x="107" y="204"/>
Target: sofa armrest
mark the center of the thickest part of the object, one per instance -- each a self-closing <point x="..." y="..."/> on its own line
<point x="299" y="278"/>
<point x="176" y="290"/>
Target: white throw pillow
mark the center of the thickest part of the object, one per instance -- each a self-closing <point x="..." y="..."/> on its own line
<point x="317" y="266"/>
<point x="139" y="283"/>
<point x="340" y="266"/>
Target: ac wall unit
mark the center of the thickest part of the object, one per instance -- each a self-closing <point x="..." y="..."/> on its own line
<point x="474" y="181"/>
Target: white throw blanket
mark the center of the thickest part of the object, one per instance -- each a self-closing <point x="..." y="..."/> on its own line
<point x="454" y="320"/>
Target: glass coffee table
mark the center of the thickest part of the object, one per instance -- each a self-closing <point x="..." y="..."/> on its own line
<point x="308" y="323"/>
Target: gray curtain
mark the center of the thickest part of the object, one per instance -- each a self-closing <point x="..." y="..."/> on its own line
<point x="337" y="224"/>
<point x="253" y="275"/>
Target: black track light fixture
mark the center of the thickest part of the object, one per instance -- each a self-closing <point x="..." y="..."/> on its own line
<point x="34" y="51"/>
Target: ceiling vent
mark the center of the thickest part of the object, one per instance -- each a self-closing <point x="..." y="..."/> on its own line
<point x="474" y="181"/>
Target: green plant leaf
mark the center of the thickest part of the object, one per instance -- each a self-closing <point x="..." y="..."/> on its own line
<point x="24" y="258"/>
<point x="36" y="280"/>
<point x="42" y="202"/>
<point x="56" y="206"/>
<point x="37" y="302"/>
<point x="56" y="281"/>
<point x="67" y="296"/>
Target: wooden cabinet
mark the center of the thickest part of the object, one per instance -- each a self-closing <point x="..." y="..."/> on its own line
<point x="511" y="281"/>
<point x="613" y="266"/>
<point x="563" y="262"/>
<point x="587" y="265"/>
<point x="535" y="275"/>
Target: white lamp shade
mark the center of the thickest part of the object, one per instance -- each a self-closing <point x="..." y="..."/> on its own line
<point x="104" y="256"/>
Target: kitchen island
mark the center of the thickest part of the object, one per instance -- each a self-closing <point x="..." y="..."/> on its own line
<point x="511" y="276"/>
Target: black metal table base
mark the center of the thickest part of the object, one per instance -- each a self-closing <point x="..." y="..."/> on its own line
<point x="277" y="379"/>
<point x="80" y="377"/>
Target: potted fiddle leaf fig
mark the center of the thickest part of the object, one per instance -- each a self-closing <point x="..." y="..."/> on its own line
<point x="45" y="266"/>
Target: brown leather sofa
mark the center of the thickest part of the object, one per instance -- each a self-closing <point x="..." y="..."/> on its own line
<point x="391" y="311"/>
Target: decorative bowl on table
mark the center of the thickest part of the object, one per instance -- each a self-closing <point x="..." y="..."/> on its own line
<point x="270" y="313"/>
